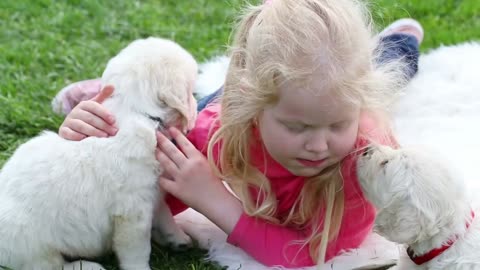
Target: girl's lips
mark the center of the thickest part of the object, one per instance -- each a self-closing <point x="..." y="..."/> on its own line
<point x="311" y="163"/>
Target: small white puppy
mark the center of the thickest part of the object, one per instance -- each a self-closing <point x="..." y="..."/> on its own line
<point x="423" y="205"/>
<point x="81" y="199"/>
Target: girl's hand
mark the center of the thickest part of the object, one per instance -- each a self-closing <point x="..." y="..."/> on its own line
<point x="188" y="177"/>
<point x="89" y="118"/>
<point x="187" y="172"/>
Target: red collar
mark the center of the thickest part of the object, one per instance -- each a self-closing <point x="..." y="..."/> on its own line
<point x="418" y="260"/>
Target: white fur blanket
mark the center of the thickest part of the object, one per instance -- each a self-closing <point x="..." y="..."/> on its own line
<point x="440" y="109"/>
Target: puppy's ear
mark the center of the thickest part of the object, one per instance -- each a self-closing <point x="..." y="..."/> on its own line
<point x="176" y="96"/>
<point x="172" y="86"/>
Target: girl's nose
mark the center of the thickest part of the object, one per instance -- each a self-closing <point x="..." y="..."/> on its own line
<point x="317" y="144"/>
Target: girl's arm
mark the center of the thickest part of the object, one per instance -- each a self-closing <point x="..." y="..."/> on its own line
<point x="191" y="180"/>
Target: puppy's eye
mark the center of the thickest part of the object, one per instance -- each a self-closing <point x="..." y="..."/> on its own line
<point x="383" y="163"/>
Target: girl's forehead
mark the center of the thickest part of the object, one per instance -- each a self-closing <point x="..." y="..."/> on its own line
<point x="312" y="106"/>
<point x="296" y="95"/>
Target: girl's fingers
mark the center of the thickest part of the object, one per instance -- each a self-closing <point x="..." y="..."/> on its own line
<point x="182" y="142"/>
<point x="170" y="150"/>
<point x="69" y="134"/>
<point x="168" y="165"/>
<point x="81" y="127"/>
<point x="98" y="110"/>
<point x="168" y="185"/>
<point x="103" y="94"/>
<point x="96" y="122"/>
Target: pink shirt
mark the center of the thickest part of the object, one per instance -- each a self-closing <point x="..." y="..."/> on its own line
<point x="273" y="244"/>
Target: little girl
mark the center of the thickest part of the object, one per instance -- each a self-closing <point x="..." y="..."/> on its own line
<point x="303" y="97"/>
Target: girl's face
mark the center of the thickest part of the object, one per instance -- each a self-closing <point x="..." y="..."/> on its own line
<point x="306" y="131"/>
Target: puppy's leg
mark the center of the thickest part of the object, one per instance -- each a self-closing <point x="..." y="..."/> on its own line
<point x="166" y="231"/>
<point x="131" y="240"/>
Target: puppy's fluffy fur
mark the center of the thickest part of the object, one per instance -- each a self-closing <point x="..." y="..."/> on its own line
<point x="421" y="204"/>
<point x="80" y="199"/>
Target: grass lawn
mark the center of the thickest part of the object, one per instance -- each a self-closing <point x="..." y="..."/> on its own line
<point x="47" y="44"/>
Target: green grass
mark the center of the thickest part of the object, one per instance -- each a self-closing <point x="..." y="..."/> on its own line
<point x="47" y="44"/>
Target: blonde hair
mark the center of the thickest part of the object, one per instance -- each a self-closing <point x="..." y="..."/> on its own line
<point x="289" y="40"/>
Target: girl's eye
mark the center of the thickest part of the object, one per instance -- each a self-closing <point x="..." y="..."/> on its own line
<point x="339" y="126"/>
<point x="296" y="128"/>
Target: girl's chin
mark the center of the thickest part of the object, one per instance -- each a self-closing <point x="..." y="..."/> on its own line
<point x="305" y="171"/>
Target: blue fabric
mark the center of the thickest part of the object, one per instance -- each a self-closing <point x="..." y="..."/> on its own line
<point x="397" y="46"/>
<point x="203" y="102"/>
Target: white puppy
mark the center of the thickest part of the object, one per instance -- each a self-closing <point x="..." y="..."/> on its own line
<point x="423" y="205"/>
<point x="81" y="199"/>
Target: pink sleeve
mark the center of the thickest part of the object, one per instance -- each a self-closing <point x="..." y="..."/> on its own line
<point x="205" y="124"/>
<point x="270" y="244"/>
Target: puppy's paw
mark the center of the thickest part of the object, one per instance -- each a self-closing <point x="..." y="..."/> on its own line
<point x="178" y="240"/>
<point x="181" y="241"/>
